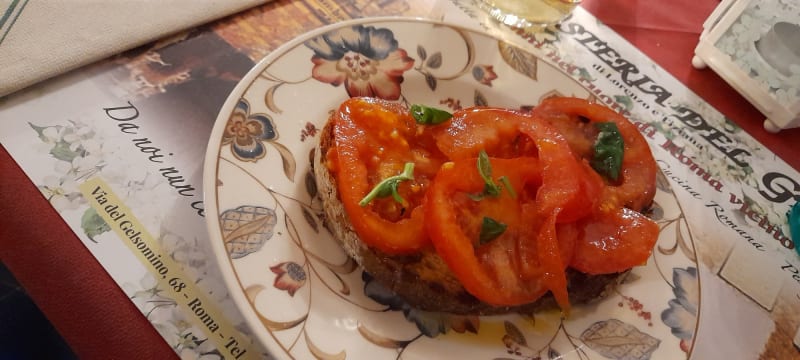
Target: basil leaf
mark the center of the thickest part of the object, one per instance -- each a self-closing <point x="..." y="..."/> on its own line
<point x="490" y="188"/>
<point x="507" y="185"/>
<point x="389" y="186"/>
<point x="491" y="229"/>
<point x="485" y="170"/>
<point x="425" y="115"/>
<point x="608" y="150"/>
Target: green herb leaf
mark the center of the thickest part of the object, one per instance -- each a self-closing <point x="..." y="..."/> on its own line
<point x="608" y="150"/>
<point x="389" y="186"/>
<point x="491" y="188"/>
<point x="426" y="115"/>
<point x="507" y="185"/>
<point x="491" y="229"/>
<point x="485" y="170"/>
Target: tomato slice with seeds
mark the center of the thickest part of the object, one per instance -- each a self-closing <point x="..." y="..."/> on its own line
<point x="564" y="194"/>
<point x="488" y="271"/>
<point x="613" y="238"/>
<point x="575" y="118"/>
<point x="373" y="140"/>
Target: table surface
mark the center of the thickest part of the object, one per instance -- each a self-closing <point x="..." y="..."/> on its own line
<point x="98" y="320"/>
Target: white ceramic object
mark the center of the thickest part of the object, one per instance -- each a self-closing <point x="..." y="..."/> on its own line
<point x="754" y="45"/>
<point x="304" y="298"/>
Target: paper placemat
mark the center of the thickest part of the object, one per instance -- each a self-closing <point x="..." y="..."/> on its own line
<point x="107" y="122"/>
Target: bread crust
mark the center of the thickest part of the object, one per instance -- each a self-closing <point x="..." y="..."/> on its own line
<point x="423" y="279"/>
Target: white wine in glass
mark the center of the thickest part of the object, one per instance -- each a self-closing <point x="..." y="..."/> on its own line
<point x="529" y="13"/>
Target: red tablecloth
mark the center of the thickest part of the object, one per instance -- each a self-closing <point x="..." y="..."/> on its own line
<point x="99" y="321"/>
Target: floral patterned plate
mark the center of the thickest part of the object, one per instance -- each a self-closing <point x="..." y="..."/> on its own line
<point x="304" y="298"/>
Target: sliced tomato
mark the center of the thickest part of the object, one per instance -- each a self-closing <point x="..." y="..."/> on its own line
<point x="568" y="190"/>
<point x="493" y="130"/>
<point x="491" y="271"/>
<point x="615" y="241"/>
<point x="373" y="140"/>
<point x="575" y="119"/>
<point x="612" y="238"/>
<point x="504" y="133"/>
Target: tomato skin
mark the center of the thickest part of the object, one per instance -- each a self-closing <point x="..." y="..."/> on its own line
<point x="504" y="133"/>
<point x="614" y="241"/>
<point x="566" y="195"/>
<point x="568" y="192"/>
<point x="569" y="187"/>
<point x="489" y="271"/>
<point x="636" y="187"/>
<point x="493" y="130"/>
<point x="370" y="137"/>
<point x="613" y="238"/>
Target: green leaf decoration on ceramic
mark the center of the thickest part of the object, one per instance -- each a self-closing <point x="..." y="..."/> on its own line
<point x="520" y="60"/>
<point x="92" y="224"/>
<point x="245" y="229"/>
<point x="618" y="340"/>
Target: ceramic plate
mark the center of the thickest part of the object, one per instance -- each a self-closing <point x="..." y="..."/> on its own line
<point x="304" y="298"/>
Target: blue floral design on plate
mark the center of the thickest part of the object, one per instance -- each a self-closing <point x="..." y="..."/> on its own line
<point x="246" y="133"/>
<point x="681" y="316"/>
<point x="367" y="60"/>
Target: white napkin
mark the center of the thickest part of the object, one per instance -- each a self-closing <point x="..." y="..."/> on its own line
<point x="41" y="39"/>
